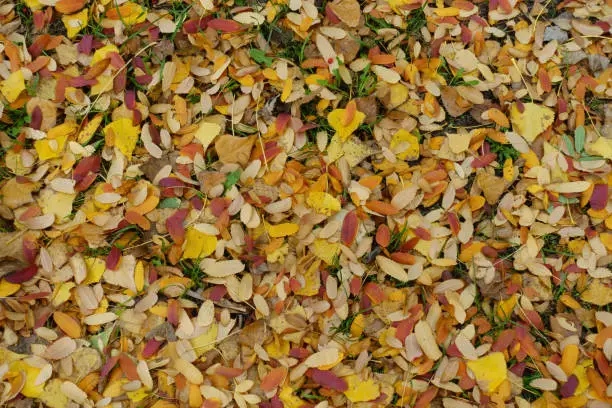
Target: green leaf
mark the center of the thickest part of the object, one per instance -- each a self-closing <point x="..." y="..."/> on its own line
<point x="569" y="144"/>
<point x="590" y="158"/>
<point x="171" y="202"/>
<point x="579" y="136"/>
<point x="259" y="57"/>
<point x="100" y="340"/>
<point x="231" y="179"/>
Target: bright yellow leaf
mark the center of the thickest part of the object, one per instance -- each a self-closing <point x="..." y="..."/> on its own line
<point x="74" y="23"/>
<point x="361" y="391"/>
<point x="505" y="307"/>
<point x="508" y="169"/>
<point x="490" y="370"/>
<point x="312" y="280"/>
<point x="102" y="53"/>
<point x="50" y="148"/>
<point x="325" y="250"/>
<point x="336" y="117"/>
<point x="405" y="145"/>
<point x="290" y="400"/>
<point x="278" y="347"/>
<point x="12" y="86"/>
<point x="532" y="121"/>
<point x="7" y="288"/>
<point x="95" y="270"/>
<point x="323" y="203"/>
<point x="29" y="389"/>
<point x="61" y="293"/>
<point x="198" y="244"/>
<point x="123" y="134"/>
<point x="282" y="230"/>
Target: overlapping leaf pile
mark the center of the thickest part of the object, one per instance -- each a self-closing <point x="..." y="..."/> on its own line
<point x="299" y="203"/>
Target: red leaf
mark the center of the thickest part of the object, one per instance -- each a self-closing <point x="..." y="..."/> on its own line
<point x="281" y="122"/>
<point x="108" y="366"/>
<point x="151" y="348"/>
<point x="112" y="260"/>
<point x="36" y="120"/>
<point x="22" y="275"/>
<point x="383" y="235"/>
<point x="328" y="379"/>
<point x="223" y="25"/>
<point x="567" y="390"/>
<point x="30" y="250"/>
<point x="349" y="228"/>
<point x="174" y="225"/>
<point x="599" y="198"/>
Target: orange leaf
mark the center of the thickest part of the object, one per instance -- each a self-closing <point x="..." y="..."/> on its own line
<point x="67" y="324"/>
<point x="69" y="6"/>
<point x="349" y="113"/>
<point x="381" y="207"/>
<point x="273" y="379"/>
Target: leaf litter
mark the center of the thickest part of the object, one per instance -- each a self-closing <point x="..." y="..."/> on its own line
<point x="305" y="204"/>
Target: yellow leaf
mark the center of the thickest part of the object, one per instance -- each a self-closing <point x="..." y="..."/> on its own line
<point x="198" y="244"/>
<point x="74" y="23"/>
<point x="287" y="88"/>
<point x="105" y="84"/>
<point x="490" y="371"/>
<point x="129" y="13"/>
<point x="138" y="395"/>
<point x="361" y="391"/>
<point x="88" y="130"/>
<point x="355" y="151"/>
<point x="50" y="148"/>
<point x="206" y="341"/>
<point x="7" y="288"/>
<point x="95" y="270"/>
<point x="323" y="203"/>
<point x="206" y="133"/>
<point x="58" y="204"/>
<point x="597" y="293"/>
<point x="581" y="373"/>
<point x="290" y="400"/>
<point x="312" y="280"/>
<point x="602" y="147"/>
<point x="532" y="121"/>
<point x="336" y="117"/>
<point x="405" y="145"/>
<point x="531" y="159"/>
<point x="508" y="169"/>
<point x="282" y="230"/>
<point x="325" y="250"/>
<point x="358" y="325"/>
<point x="123" y="134"/>
<point x="505" y="307"/>
<point x="61" y="293"/>
<point x="278" y="347"/>
<point x="12" y="86"/>
<point x="33" y="4"/>
<point x="102" y="53"/>
<point x="139" y="276"/>
<point x="29" y="389"/>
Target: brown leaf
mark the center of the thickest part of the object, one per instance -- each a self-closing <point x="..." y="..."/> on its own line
<point x="233" y="149"/>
